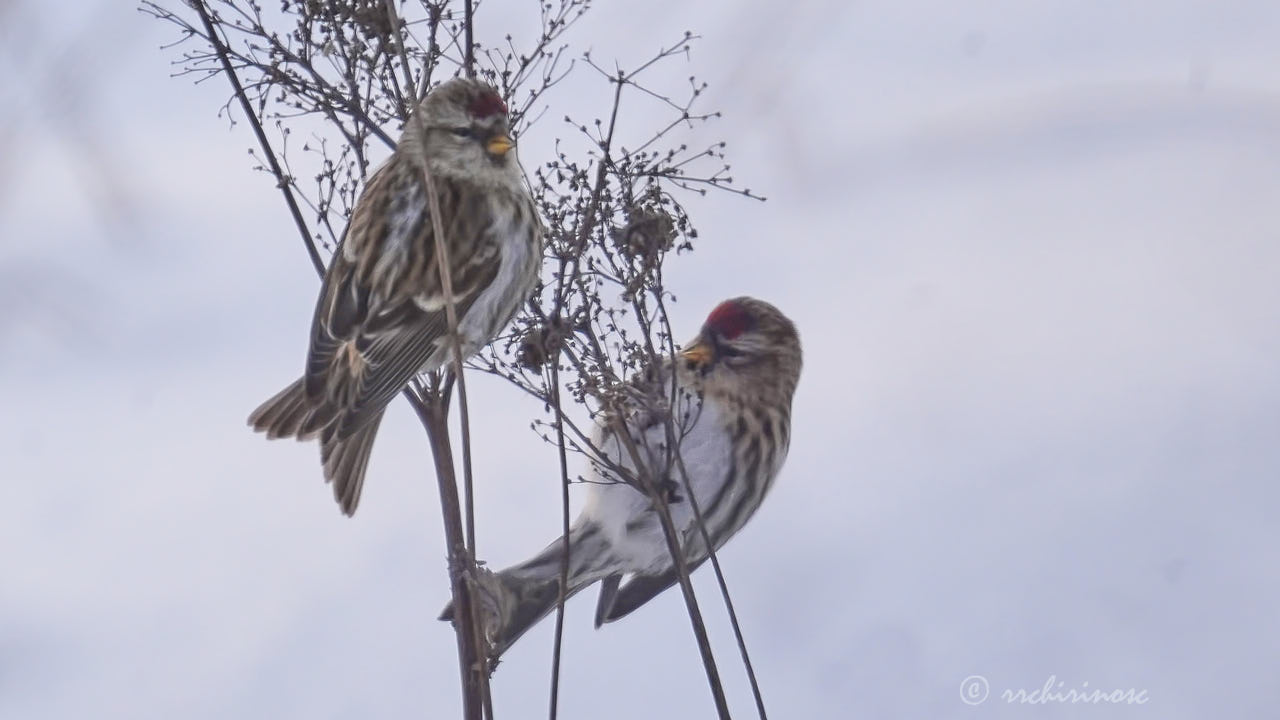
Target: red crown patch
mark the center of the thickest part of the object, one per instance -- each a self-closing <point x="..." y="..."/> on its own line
<point x="729" y="319"/>
<point x="485" y="104"/>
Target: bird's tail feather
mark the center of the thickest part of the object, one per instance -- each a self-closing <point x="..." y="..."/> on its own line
<point x="291" y="413"/>
<point x="345" y="460"/>
<point x="530" y="591"/>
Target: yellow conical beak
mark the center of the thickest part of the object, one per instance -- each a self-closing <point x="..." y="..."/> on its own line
<point x="699" y="353"/>
<point x="499" y="145"/>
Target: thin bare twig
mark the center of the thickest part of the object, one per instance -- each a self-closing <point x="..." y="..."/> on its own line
<point x="673" y="442"/>
<point x="682" y="570"/>
<point x="473" y="658"/>
<point x="434" y="417"/>
<point x="468" y="24"/>
<point x="566" y="545"/>
<point x="724" y="587"/>
<point x="220" y="48"/>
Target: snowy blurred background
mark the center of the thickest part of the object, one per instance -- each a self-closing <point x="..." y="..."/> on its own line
<point x="1034" y="253"/>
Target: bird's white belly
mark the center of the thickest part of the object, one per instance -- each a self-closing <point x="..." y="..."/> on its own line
<point x="497" y="303"/>
<point x="627" y="515"/>
<point x="517" y="273"/>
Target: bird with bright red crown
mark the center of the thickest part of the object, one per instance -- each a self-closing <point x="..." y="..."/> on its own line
<point x="735" y="382"/>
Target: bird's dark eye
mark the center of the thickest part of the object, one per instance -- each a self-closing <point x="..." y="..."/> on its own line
<point x="462" y="131"/>
<point x="729" y="351"/>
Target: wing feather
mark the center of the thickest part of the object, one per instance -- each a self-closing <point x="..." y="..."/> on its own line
<point x="637" y="591"/>
<point x="381" y="312"/>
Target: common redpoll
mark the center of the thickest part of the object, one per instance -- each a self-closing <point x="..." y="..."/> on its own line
<point x="381" y="315"/>
<point x="733" y="415"/>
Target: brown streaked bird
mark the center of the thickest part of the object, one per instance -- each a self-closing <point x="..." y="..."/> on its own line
<point x="381" y="315"/>
<point x="735" y="381"/>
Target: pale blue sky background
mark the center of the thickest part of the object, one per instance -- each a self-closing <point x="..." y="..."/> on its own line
<point x="1032" y="249"/>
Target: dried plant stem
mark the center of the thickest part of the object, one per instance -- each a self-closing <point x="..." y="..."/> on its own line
<point x="469" y="52"/>
<point x="564" y="517"/>
<point x="682" y="570"/>
<point x="220" y="48"/>
<point x="724" y="587"/>
<point x="473" y="660"/>
<point x="644" y="480"/>
<point x="434" y="417"/>
<point x="706" y="536"/>
<point x="467" y="545"/>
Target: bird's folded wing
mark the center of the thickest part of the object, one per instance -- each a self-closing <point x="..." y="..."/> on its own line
<point x="382" y="310"/>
